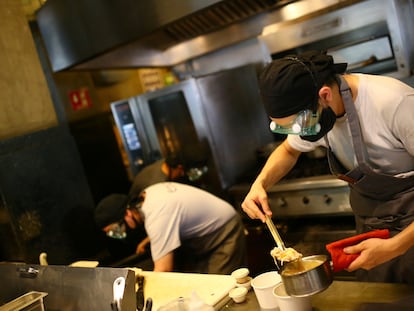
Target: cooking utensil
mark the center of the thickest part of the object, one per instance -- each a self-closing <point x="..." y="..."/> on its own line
<point x="275" y="233"/>
<point x="307" y="276"/>
<point x="140" y="293"/>
<point x="279" y="242"/>
<point x="118" y="293"/>
<point x="148" y="304"/>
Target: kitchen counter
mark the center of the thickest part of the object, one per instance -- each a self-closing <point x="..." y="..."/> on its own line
<point x="346" y="296"/>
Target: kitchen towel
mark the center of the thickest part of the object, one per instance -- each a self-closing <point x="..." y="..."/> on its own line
<point x="341" y="260"/>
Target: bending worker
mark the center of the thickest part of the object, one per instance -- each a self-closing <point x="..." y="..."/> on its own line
<point x="188" y="228"/>
<point x="365" y="121"/>
<point x="168" y="169"/>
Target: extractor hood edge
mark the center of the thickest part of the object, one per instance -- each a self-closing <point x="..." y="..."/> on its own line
<point x="159" y="48"/>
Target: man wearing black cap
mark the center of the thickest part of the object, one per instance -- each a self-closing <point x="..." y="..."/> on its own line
<point x="365" y="121"/>
<point x="168" y="169"/>
<point x="188" y="228"/>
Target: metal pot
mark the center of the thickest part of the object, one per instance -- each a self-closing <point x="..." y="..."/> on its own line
<point x="307" y="276"/>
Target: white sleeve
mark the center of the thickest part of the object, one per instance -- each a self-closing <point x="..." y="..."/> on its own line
<point x="162" y="226"/>
<point x="303" y="145"/>
<point x="402" y="124"/>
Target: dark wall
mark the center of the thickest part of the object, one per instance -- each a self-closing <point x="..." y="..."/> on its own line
<point x="100" y="155"/>
<point x="46" y="204"/>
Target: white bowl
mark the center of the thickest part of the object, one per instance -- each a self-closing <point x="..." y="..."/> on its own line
<point x="246" y="284"/>
<point x="238" y="294"/>
<point x="241" y="275"/>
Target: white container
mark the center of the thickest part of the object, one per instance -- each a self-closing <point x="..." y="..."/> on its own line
<point x="291" y="303"/>
<point x="263" y="286"/>
<point x="241" y="275"/>
<point x="238" y="294"/>
<point x="247" y="285"/>
<point x="32" y="301"/>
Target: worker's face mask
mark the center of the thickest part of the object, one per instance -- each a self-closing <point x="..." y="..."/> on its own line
<point x="326" y="122"/>
<point x="303" y="123"/>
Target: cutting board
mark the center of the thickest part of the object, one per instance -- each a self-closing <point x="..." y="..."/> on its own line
<point x="164" y="287"/>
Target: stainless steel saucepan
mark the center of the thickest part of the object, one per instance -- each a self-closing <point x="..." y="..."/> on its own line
<point x="307" y="276"/>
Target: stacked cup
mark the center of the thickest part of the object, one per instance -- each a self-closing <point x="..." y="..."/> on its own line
<point x="242" y="277"/>
<point x="263" y="286"/>
<point x="271" y="294"/>
<point x="238" y="294"/>
<point x="291" y="303"/>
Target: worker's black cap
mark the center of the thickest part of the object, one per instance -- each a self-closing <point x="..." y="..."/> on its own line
<point x="110" y="209"/>
<point x="291" y="84"/>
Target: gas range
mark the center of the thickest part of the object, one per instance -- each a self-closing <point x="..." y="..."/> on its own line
<point x="323" y="195"/>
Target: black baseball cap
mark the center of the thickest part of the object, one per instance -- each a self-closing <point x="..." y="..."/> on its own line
<point x="111" y="209"/>
<point x="291" y="84"/>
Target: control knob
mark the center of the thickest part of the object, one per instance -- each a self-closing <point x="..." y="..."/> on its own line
<point x="327" y="199"/>
<point x="281" y="202"/>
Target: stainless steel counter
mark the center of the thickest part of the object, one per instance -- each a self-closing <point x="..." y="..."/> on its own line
<point x="346" y="296"/>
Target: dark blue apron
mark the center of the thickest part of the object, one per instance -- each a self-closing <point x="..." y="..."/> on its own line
<point x="378" y="200"/>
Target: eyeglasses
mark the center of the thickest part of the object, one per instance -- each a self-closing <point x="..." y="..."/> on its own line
<point x="305" y="123"/>
<point x="117" y="230"/>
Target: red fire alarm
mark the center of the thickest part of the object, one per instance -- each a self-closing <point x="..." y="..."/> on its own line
<point x="80" y="99"/>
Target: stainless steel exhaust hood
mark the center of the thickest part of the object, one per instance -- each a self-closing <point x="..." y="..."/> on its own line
<point x="109" y="34"/>
<point x="131" y="33"/>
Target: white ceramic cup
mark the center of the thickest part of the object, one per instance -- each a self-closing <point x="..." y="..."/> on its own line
<point x="290" y="303"/>
<point x="263" y="286"/>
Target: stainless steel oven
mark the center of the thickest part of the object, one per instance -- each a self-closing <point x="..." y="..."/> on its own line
<point x="374" y="36"/>
<point x="203" y="120"/>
